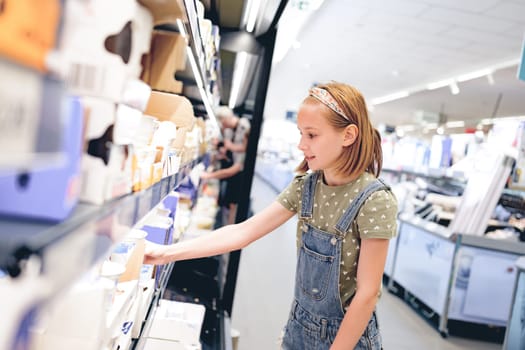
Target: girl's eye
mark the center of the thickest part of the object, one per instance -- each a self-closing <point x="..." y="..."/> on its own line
<point x="311" y="136"/>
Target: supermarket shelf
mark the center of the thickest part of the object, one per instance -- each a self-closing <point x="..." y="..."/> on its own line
<point x="216" y="328"/>
<point x="139" y="343"/>
<point x="461" y="238"/>
<point x="91" y="230"/>
<point x="429" y="173"/>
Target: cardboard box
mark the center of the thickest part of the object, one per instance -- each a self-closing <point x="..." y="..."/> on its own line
<point x="96" y="45"/>
<point x="171" y="107"/>
<point x="167" y="55"/>
<point x="28" y="30"/>
<point x="177" y="321"/>
<point x="165" y="11"/>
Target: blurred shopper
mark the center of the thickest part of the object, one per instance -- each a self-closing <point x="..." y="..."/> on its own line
<point x="235" y="132"/>
<point x="346" y="218"/>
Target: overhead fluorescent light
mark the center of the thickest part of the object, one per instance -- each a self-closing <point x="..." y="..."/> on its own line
<point x="251" y="11"/>
<point x="391" y="97"/>
<point x="490" y="78"/>
<point x="454" y="88"/>
<point x="208" y="107"/>
<point x="195" y="69"/>
<point x="439" y="84"/>
<point x="295" y="15"/>
<point x="474" y="75"/>
<point x="456" y="124"/>
<point x="239" y="69"/>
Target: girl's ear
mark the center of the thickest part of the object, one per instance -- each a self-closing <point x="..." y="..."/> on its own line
<point x="350" y="134"/>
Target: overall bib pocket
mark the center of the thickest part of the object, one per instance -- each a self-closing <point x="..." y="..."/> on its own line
<point x="314" y="279"/>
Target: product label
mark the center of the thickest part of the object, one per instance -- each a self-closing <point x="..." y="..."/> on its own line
<point x="84" y="78"/>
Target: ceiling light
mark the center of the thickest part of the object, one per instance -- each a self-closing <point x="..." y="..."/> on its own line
<point x="440" y="130"/>
<point x="474" y="75"/>
<point x="431" y="126"/>
<point x="439" y="84"/>
<point x="454" y="88"/>
<point x="194" y="67"/>
<point x="295" y="15"/>
<point x="490" y="78"/>
<point x="209" y="109"/>
<point x="238" y="74"/>
<point x="391" y="97"/>
<point x="250" y="14"/>
<point x="456" y="124"/>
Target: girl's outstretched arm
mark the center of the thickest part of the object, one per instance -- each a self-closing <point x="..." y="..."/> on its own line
<point x="222" y="240"/>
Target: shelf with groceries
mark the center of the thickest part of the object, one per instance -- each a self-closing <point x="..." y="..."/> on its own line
<point x="96" y="132"/>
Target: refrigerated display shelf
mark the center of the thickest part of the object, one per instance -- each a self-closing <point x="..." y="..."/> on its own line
<point x="456" y="273"/>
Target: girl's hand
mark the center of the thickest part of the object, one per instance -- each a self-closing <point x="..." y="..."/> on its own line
<point x="156" y="254"/>
<point x="228" y="144"/>
<point x="206" y="175"/>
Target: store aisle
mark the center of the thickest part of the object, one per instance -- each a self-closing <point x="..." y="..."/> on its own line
<point x="265" y="289"/>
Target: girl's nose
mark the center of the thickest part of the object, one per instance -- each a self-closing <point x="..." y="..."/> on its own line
<point x="301" y="145"/>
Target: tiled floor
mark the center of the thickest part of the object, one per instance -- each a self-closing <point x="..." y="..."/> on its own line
<point x="265" y="289"/>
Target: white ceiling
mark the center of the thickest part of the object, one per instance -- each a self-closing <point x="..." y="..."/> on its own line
<point x="386" y="46"/>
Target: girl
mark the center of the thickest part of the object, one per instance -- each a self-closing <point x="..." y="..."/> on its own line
<point x="346" y="217"/>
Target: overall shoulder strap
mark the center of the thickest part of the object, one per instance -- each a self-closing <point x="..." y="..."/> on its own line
<point x="348" y="217"/>
<point x="307" y="200"/>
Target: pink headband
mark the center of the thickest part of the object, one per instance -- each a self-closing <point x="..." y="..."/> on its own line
<point x="325" y="98"/>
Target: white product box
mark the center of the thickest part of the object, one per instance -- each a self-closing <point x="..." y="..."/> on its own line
<point x="144" y="298"/>
<point x="90" y="31"/>
<point x="127" y="122"/>
<point x="101" y="182"/>
<point x="178" y="321"/>
<point x="75" y="320"/>
<point x="99" y="114"/>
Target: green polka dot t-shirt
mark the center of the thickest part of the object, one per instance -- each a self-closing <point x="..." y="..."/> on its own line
<point x="375" y="219"/>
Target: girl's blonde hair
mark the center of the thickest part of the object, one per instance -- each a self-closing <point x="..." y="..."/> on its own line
<point x="365" y="154"/>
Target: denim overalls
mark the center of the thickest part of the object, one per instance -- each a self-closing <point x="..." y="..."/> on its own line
<point x="316" y="311"/>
